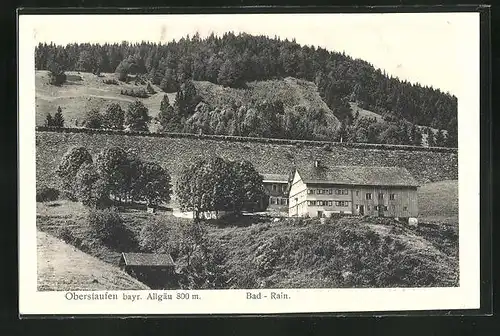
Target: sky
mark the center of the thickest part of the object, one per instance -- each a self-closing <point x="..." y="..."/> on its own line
<point x="418" y="47"/>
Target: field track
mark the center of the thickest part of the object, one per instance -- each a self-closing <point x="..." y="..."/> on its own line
<point x="62" y="267"/>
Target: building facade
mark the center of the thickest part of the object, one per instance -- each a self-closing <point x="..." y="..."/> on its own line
<point x="276" y="186"/>
<point x="373" y="191"/>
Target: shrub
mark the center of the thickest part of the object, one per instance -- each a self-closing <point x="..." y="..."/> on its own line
<point x="334" y="215"/>
<point x="93" y="119"/>
<point x="113" y="117"/>
<point x="327" y="147"/>
<point x="46" y="194"/>
<point x="139" y="93"/>
<point x="66" y="234"/>
<point x="110" y="81"/>
<point x="150" y="89"/>
<point x="57" y="78"/>
<point x="107" y="226"/>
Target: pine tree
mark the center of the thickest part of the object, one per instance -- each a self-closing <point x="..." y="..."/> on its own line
<point x="440" y="138"/>
<point x="416" y="136"/>
<point x="49" y="121"/>
<point x="86" y="61"/>
<point x="169" y="120"/>
<point x="56" y="68"/>
<point x="229" y="75"/>
<point x="452" y="138"/>
<point x="58" y="120"/>
<point x="431" y="142"/>
<point x="186" y="99"/>
<point x="169" y="82"/>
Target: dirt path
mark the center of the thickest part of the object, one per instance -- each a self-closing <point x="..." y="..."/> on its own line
<point x="61" y="267"/>
<point x="51" y="98"/>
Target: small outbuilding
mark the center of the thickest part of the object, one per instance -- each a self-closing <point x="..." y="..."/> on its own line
<point x="155" y="270"/>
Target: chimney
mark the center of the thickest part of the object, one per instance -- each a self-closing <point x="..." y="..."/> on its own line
<point x="316" y="163"/>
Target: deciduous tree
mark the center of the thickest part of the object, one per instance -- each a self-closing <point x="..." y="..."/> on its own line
<point x="153" y="184"/>
<point x="70" y="163"/>
<point x="137" y="117"/>
<point x="93" y="119"/>
<point x="113" y="116"/>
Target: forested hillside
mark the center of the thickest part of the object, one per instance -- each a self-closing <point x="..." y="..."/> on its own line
<point x="236" y="60"/>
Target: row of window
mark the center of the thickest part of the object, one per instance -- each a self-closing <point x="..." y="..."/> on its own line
<point x="328" y="191"/>
<point x="380" y="196"/>
<point x="346" y="192"/>
<point x="328" y="203"/>
<point x="384" y="207"/>
<point x="282" y="188"/>
<point x="278" y="201"/>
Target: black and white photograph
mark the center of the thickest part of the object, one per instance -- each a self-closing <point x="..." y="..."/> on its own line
<point x="258" y="157"/>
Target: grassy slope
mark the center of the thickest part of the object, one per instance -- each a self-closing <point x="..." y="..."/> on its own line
<point x="290" y="91"/>
<point x="62" y="267"/>
<point x="365" y="113"/>
<point x="85" y="91"/>
<point x="77" y="96"/>
<point x="439" y="200"/>
<point x="348" y="253"/>
<point x="52" y="216"/>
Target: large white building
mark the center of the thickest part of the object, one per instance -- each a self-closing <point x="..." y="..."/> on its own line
<point x="319" y="191"/>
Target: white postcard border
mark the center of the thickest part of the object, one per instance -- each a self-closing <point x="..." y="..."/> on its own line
<point x="466" y="296"/>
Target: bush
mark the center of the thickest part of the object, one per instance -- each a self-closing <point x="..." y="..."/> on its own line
<point x="110" y="81"/>
<point x="327" y="147"/>
<point x="139" y="93"/>
<point x="57" y="78"/>
<point x="93" y="119"/>
<point x="65" y="234"/>
<point x="46" y="194"/>
<point x="150" y="89"/>
<point x="108" y="226"/>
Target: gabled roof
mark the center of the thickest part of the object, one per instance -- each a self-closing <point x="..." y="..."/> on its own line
<point x="147" y="259"/>
<point x="358" y="175"/>
<point x="281" y="178"/>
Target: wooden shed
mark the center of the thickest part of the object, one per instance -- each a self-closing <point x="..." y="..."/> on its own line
<point x="155" y="270"/>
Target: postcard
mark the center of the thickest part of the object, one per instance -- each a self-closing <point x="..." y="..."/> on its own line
<point x="248" y="163"/>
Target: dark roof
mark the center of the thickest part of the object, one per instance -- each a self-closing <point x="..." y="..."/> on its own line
<point x="358" y="175"/>
<point x="275" y="178"/>
<point x="147" y="259"/>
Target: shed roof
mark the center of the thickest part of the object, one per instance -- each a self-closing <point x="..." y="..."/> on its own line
<point x="358" y="175"/>
<point x="275" y="178"/>
<point x="147" y="259"/>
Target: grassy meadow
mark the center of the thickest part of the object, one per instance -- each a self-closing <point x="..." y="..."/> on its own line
<point x="84" y="91"/>
<point x="438" y="201"/>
